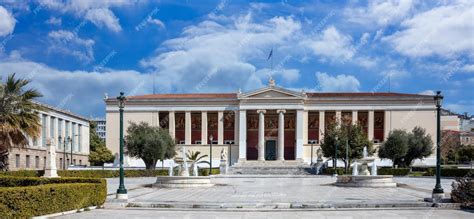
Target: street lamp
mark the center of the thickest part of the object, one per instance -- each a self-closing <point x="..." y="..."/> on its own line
<point x="64" y="142"/>
<point x="230" y="153"/>
<point x="210" y="154"/>
<point x="335" y="160"/>
<point x="121" y="191"/>
<point x="438" y="192"/>
<point x="347" y="156"/>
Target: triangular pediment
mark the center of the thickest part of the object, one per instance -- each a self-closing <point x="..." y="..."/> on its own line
<point x="272" y="92"/>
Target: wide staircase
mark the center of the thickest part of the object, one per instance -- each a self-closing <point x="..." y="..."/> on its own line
<point x="253" y="167"/>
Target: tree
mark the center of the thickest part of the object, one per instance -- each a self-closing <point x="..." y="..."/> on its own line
<point x="352" y="135"/>
<point x="195" y="159"/>
<point x="466" y="153"/>
<point x="395" y="147"/>
<point x="18" y="116"/>
<point x="149" y="143"/>
<point x="420" y="146"/>
<point x="99" y="153"/>
<point x="450" y="144"/>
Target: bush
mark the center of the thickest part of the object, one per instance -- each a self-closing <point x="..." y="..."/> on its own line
<point x="40" y="196"/>
<point x="88" y="173"/>
<point x="340" y="171"/>
<point x="448" y="172"/>
<point x="463" y="191"/>
<point x="205" y="171"/>
<point x="393" y="171"/>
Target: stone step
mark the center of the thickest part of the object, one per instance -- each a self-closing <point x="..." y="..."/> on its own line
<point x="270" y="168"/>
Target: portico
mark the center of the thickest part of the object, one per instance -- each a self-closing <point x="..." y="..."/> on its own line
<point x="271" y="123"/>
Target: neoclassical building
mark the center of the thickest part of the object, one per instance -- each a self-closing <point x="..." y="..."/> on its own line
<point x="271" y="123"/>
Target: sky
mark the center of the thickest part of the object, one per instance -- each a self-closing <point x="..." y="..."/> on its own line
<point x="75" y="52"/>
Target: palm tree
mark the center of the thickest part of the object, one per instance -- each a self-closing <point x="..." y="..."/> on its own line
<point x="18" y="116"/>
<point x="194" y="157"/>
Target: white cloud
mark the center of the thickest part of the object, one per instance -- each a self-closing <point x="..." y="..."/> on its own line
<point x="215" y="56"/>
<point x="427" y="92"/>
<point x="98" y="12"/>
<point x="379" y="12"/>
<point x="445" y="31"/>
<point x="103" y="17"/>
<point x="54" y="21"/>
<point x="468" y="68"/>
<point x="332" y="44"/>
<point x="66" y="42"/>
<point x="337" y="83"/>
<point x="79" y="91"/>
<point x="7" y="22"/>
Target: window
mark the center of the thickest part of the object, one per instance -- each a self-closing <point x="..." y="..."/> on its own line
<point x="44" y="167"/>
<point x="17" y="161"/>
<point x="37" y="162"/>
<point x="27" y="161"/>
<point x="61" y="163"/>
<point x="74" y="161"/>
<point x="80" y="162"/>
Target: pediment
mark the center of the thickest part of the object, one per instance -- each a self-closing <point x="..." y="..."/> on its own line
<point x="272" y="92"/>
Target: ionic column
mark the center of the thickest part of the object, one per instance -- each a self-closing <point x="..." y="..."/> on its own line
<point x="236" y="127"/>
<point x="171" y="124"/>
<point x="321" y="126"/>
<point x="204" y="128"/>
<point x="299" y="135"/>
<point x="187" y="128"/>
<point x="387" y="124"/>
<point x="261" y="134"/>
<point x="281" y="134"/>
<point x="220" y="128"/>
<point x="338" y="118"/>
<point x="305" y="127"/>
<point x="370" y="133"/>
<point x="242" y="135"/>
<point x="354" y="117"/>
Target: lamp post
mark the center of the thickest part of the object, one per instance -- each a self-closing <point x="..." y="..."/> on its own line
<point x="210" y="154"/>
<point x="121" y="191"/>
<point x="64" y="142"/>
<point x="438" y="192"/>
<point x="335" y="160"/>
<point x="230" y="153"/>
<point x="71" y="151"/>
<point x="347" y="156"/>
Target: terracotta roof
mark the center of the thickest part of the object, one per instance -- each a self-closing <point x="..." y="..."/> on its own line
<point x="187" y="96"/>
<point x="365" y="94"/>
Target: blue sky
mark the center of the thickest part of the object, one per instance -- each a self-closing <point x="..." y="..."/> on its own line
<point x="75" y="51"/>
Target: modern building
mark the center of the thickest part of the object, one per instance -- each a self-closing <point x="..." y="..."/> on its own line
<point x="67" y="131"/>
<point x="271" y="123"/>
<point x="100" y="128"/>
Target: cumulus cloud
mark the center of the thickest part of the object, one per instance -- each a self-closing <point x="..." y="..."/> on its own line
<point x="103" y="17"/>
<point x="73" y="89"/>
<point x="379" y="12"/>
<point x="445" y="31"/>
<point x="337" y="83"/>
<point x="7" y="22"/>
<point x="54" y="21"/>
<point x="332" y="44"/>
<point x="215" y="55"/>
<point x="68" y="43"/>
<point x="427" y="92"/>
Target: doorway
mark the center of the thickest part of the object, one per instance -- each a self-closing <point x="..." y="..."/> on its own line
<point x="270" y="150"/>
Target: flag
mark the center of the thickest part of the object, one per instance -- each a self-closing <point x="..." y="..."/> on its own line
<point x="270" y="55"/>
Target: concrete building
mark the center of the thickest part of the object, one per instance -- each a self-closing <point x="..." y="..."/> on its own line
<point x="100" y="128"/>
<point x="55" y="124"/>
<point x="271" y="123"/>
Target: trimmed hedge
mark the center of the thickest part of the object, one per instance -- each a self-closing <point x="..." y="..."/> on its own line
<point x="393" y="171"/>
<point x="40" y="196"/>
<point x="205" y="171"/>
<point x="88" y="173"/>
<point x="449" y="172"/>
<point x="340" y="171"/>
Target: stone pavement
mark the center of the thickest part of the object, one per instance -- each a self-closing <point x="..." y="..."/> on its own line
<point x="284" y="192"/>
<point x="206" y="214"/>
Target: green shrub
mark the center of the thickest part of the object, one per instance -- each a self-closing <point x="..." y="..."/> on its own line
<point x="393" y="171"/>
<point x="448" y="172"/>
<point x="40" y="196"/>
<point x="340" y="171"/>
<point x="89" y="173"/>
<point x="205" y="171"/>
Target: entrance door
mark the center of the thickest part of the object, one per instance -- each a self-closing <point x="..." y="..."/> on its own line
<point x="270" y="150"/>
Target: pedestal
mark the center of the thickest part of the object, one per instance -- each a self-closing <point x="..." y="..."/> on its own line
<point x="51" y="171"/>
<point x="223" y="167"/>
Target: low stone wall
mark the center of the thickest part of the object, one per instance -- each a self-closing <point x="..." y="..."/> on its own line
<point x="37" y="159"/>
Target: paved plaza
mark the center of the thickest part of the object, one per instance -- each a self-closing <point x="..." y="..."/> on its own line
<point x="278" y="191"/>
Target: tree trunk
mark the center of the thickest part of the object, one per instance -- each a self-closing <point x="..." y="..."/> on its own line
<point x="150" y="164"/>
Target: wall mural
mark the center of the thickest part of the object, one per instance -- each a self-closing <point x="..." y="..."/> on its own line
<point x="271" y="122"/>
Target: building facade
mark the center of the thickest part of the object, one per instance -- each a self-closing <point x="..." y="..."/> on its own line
<point x="271" y="123"/>
<point x="67" y="131"/>
<point x="100" y="128"/>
